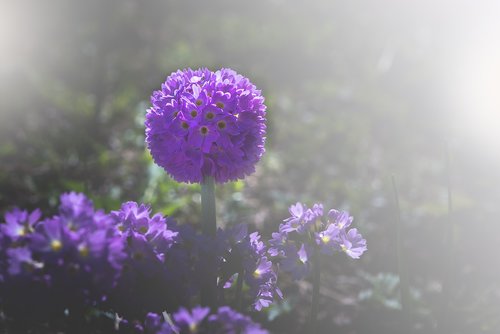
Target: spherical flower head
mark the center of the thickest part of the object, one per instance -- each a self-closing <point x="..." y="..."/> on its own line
<point x="206" y="124"/>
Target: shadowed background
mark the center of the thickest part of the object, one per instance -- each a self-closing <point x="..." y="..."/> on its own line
<point x="356" y="91"/>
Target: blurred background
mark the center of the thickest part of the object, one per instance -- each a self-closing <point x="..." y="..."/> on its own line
<point x="357" y="92"/>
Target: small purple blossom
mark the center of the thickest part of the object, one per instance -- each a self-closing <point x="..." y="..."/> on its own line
<point x="302" y="218"/>
<point x="340" y="218"/>
<point x="77" y="210"/>
<point x="205" y="123"/>
<point x="277" y="243"/>
<point x="135" y="220"/>
<point x="18" y="223"/>
<point x="328" y="239"/>
<point x="352" y="243"/>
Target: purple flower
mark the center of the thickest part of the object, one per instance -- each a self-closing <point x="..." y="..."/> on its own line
<point x="278" y="243"/>
<point x="352" y="243"/>
<point x="317" y="209"/>
<point x="52" y="236"/>
<point x="18" y="223"/>
<point x="242" y="254"/>
<point x="199" y="320"/>
<point x="302" y="218"/>
<point x="154" y="324"/>
<point x="329" y="239"/>
<point x="156" y="257"/>
<point x="190" y="321"/>
<point x="340" y="218"/>
<point x="19" y="258"/>
<point x="309" y="228"/>
<point x="76" y="209"/>
<point x="69" y="261"/>
<point x="134" y="219"/>
<point x="228" y="321"/>
<point x="205" y="123"/>
<point x="296" y="262"/>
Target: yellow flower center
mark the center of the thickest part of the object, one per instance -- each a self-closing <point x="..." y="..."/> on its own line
<point x="257" y="273"/>
<point x="221" y="124"/>
<point x="325" y="239"/>
<point x="84" y="251"/>
<point x="56" y="245"/>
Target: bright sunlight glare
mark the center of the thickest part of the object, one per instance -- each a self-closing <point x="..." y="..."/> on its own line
<point x="475" y="92"/>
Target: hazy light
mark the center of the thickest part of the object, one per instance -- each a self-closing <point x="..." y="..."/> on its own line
<point x="475" y="91"/>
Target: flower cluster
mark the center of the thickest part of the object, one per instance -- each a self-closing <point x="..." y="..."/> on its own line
<point x="147" y="241"/>
<point x="205" y="123"/>
<point x="129" y="261"/>
<point x="72" y="259"/>
<point x="199" y="320"/>
<point x="308" y="229"/>
<point x="242" y="256"/>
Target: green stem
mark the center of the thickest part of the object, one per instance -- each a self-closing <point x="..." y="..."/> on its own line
<point x="209" y="228"/>
<point x="402" y="261"/>
<point x="449" y="245"/>
<point x="239" y="288"/>
<point x="316" y="286"/>
<point x="208" y="207"/>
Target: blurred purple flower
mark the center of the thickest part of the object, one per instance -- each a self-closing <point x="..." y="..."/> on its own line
<point x="190" y="321"/>
<point x="76" y="209"/>
<point x="154" y="324"/>
<point x="228" y="321"/>
<point x="199" y="320"/>
<point x="18" y="258"/>
<point x="18" y="223"/>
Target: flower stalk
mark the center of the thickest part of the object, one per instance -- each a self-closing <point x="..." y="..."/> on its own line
<point x="239" y="288"/>
<point x="209" y="228"/>
<point x="402" y="268"/>
<point x="316" y="285"/>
